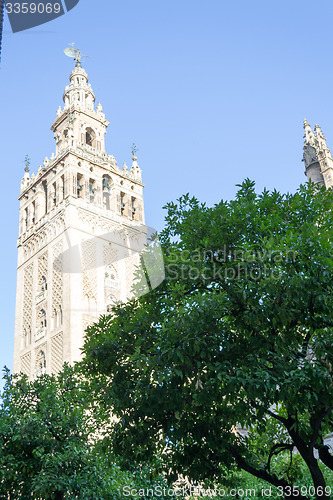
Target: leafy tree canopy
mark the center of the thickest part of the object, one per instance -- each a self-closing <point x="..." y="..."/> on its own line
<point x="53" y="445"/>
<point x="239" y="335"/>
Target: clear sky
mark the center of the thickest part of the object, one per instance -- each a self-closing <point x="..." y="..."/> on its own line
<point x="211" y="92"/>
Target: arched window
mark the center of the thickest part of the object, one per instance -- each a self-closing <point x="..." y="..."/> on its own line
<point x="44" y="284"/>
<point x="43" y="318"/>
<point x="106" y="191"/>
<point x="80" y="185"/>
<point x="90" y="137"/>
<point x="91" y="190"/>
<point x="54" y="193"/>
<point x="133" y="207"/>
<point x="26" y="337"/>
<point x="45" y="195"/>
<point x="26" y="218"/>
<point x="106" y="182"/>
<point x="122" y="203"/>
<point x="41" y="363"/>
<point x="33" y="212"/>
<point x="63" y="186"/>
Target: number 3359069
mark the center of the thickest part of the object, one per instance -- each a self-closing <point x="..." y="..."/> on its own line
<point x="33" y="8"/>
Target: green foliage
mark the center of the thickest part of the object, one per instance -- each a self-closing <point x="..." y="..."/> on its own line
<point x="240" y="332"/>
<point x="44" y="434"/>
<point x="52" y="443"/>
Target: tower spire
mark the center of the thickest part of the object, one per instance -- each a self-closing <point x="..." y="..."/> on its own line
<point x="317" y="157"/>
<point x="308" y="134"/>
<point x="135" y="169"/>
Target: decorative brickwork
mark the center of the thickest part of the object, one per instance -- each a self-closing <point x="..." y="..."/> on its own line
<point x="27" y="300"/>
<point x="89" y="269"/>
<point x="26" y="364"/>
<point x="56" y="353"/>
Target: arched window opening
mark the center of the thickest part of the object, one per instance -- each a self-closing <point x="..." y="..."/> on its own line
<point x="26" y="338"/>
<point x="80" y="185"/>
<point x="63" y="186"/>
<point x="44" y="284"/>
<point x="54" y="195"/>
<point x="89" y="305"/>
<point x="92" y="189"/>
<point x="45" y="195"/>
<point x="122" y="203"/>
<point x="90" y="137"/>
<point x="41" y="363"/>
<point x="43" y="319"/>
<point x="26" y="218"/>
<point x="33" y="212"/>
<point x="106" y="191"/>
<point x="133" y="207"/>
<point x="106" y="182"/>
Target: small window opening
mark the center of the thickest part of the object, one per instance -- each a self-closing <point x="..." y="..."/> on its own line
<point x="122" y="203"/>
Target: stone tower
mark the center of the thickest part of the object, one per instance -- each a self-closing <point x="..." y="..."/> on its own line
<point x="81" y="230"/>
<point x="317" y="157"/>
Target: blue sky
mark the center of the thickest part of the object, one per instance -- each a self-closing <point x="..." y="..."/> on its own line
<point x="211" y="92"/>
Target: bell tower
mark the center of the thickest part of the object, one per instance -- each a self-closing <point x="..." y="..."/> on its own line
<point x="86" y="127"/>
<point x="317" y="157"/>
<point x="81" y="232"/>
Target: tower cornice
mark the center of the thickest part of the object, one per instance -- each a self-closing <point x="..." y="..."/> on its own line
<point x="104" y="160"/>
<point x="78" y="109"/>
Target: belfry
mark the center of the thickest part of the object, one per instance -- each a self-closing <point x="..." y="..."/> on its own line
<point x="317" y="157"/>
<point x="82" y="229"/>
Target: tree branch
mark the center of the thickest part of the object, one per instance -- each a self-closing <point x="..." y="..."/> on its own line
<point x="261" y="473"/>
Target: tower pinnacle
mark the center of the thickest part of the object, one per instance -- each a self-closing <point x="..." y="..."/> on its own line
<point x="308" y="134"/>
<point x="317" y="157"/>
<point x="78" y="122"/>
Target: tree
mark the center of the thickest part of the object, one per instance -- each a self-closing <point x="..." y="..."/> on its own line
<point x="44" y="439"/>
<point x="53" y="443"/>
<point x="238" y="335"/>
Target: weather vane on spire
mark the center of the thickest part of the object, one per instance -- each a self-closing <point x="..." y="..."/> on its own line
<point x="75" y="54"/>
<point x="27" y="163"/>
<point x="134" y="150"/>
